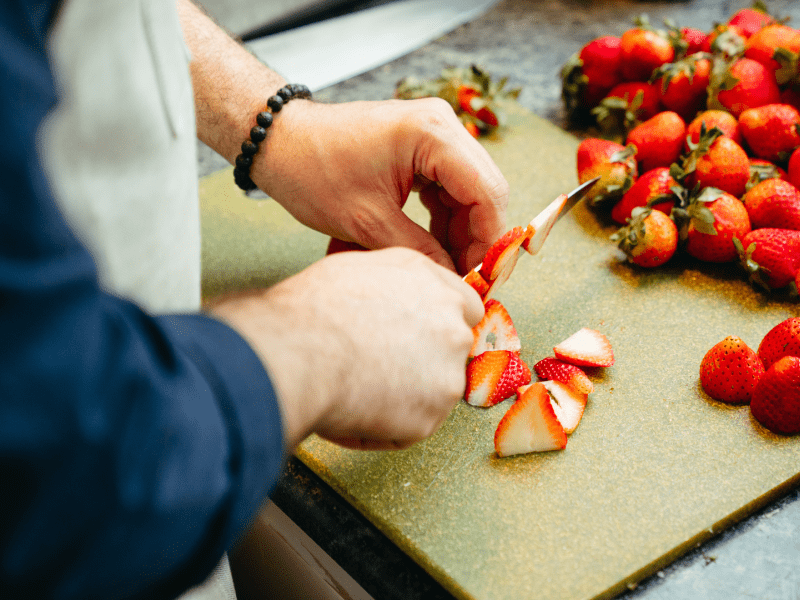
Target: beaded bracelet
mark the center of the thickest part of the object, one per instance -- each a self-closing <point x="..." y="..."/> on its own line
<point x="241" y="173"/>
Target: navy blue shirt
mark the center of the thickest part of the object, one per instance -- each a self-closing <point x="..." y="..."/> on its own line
<point x="133" y="449"/>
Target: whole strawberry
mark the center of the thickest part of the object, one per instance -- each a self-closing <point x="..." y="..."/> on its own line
<point x="770" y="256"/>
<point x="793" y="168"/>
<point x="730" y="371"/>
<point x="715" y="161"/>
<point x="776" y="397"/>
<point x="771" y="131"/>
<point x="643" y="50"/>
<point x="658" y="141"/>
<point x="683" y="84"/>
<point x="650" y="239"/>
<point x="655" y="189"/>
<point x="613" y="163"/>
<point x="773" y="203"/>
<point x="750" y="20"/>
<point x="709" y="119"/>
<point x="694" y="40"/>
<point x="744" y="84"/>
<point x="762" y="170"/>
<point x="710" y="223"/>
<point x="768" y="44"/>
<point x="591" y="73"/>
<point x="626" y="105"/>
<point x="782" y="340"/>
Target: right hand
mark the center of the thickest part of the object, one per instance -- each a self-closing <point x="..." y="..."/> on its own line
<point x="367" y="349"/>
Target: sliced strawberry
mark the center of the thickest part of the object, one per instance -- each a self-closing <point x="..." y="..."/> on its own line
<point x="587" y="348"/>
<point x="495" y="376"/>
<point x="563" y="372"/>
<point x="499" y="261"/>
<point x="538" y="229"/>
<point x="530" y="425"/>
<point x="495" y="331"/>
<point x="567" y="404"/>
<point x="477" y="282"/>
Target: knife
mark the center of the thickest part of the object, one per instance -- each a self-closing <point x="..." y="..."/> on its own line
<point x="532" y="241"/>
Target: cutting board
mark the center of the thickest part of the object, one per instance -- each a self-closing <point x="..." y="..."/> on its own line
<point x="654" y="468"/>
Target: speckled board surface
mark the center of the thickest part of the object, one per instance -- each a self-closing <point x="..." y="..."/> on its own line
<point x="654" y="467"/>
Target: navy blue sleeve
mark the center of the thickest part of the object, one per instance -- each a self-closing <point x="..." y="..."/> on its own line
<point x="133" y="449"/>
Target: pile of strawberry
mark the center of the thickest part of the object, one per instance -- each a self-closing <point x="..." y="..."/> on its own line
<point x="477" y="100"/>
<point x="546" y="411"/>
<point x="698" y="143"/>
<point x="767" y="379"/>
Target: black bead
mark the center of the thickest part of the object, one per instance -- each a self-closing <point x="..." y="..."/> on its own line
<point x="243" y="180"/>
<point x="285" y="93"/>
<point x="258" y="134"/>
<point x="244" y="162"/>
<point x="275" y="103"/>
<point x="264" y="119"/>
<point x="249" y="148"/>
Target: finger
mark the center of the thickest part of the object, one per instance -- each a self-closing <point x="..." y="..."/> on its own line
<point x="472" y="305"/>
<point x="440" y="217"/>
<point x="368" y="443"/>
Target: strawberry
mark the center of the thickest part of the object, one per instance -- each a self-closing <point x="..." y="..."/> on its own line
<point x="771" y="131"/>
<point x="654" y="189"/>
<point x="741" y="84"/>
<point x="725" y="41"/>
<point x="567" y="403"/>
<point x="474" y="103"/>
<point x="642" y="50"/>
<point x="613" y="163"/>
<point x="530" y="425"/>
<point x="715" y="161"/>
<point x="586" y="348"/>
<point x="626" y="105"/>
<point x="477" y="282"/>
<point x="730" y="370"/>
<point x="782" y="340"/>
<point x="551" y="368"/>
<point x="721" y="119"/>
<point x="793" y="168"/>
<point x="773" y="203"/>
<point x="495" y="331"/>
<point x="762" y="170"/>
<point x="694" y="40"/>
<point x="709" y="222"/>
<point x="683" y="84"/>
<point x="591" y="73"/>
<point x="750" y="20"/>
<point x="650" y="239"/>
<point x="658" y="141"/>
<point x="501" y="258"/>
<point x="494" y="376"/>
<point x="776" y="398"/>
<point x="770" y="256"/>
<point x="774" y="46"/>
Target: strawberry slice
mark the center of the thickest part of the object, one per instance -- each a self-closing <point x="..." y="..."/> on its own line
<point x="567" y="404"/>
<point x="530" y="425"/>
<point x="587" y="348"/>
<point x="478" y="283"/>
<point x="495" y="331"/>
<point x="501" y="258"/>
<point x="494" y="376"/>
<point x="538" y="229"/>
<point x="571" y="375"/>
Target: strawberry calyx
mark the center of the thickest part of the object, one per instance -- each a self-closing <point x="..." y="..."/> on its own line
<point x="616" y="116"/>
<point x="757" y="274"/>
<point x="633" y="233"/>
<point x="692" y="209"/>
<point x="685" y="66"/>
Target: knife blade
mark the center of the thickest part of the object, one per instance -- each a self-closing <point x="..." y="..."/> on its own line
<point x="537" y="231"/>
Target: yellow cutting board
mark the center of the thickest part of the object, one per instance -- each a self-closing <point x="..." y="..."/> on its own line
<point x="654" y="468"/>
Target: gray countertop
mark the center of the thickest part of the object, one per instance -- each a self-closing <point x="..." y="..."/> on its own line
<point x="529" y="41"/>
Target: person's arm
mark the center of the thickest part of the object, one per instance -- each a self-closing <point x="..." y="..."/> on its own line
<point x="347" y="169"/>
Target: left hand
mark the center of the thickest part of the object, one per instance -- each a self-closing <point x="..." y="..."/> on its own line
<point x="346" y="170"/>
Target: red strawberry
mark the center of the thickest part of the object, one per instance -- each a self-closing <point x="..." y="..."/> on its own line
<point x="501" y="258"/>
<point x="763" y="45"/>
<point x="567" y="403"/>
<point x="530" y="425"/>
<point x="793" y="168"/>
<point x="773" y="203"/>
<point x="591" y="73"/>
<point x="694" y="39"/>
<point x="770" y="256"/>
<point x="716" y="161"/>
<point x="495" y="331"/>
<point x="551" y="368"/>
<point x="776" y="398"/>
<point x="658" y="141"/>
<point x="782" y="340"/>
<point x="710" y="223"/>
<point x="494" y="376"/>
<point x="721" y="119"/>
<point x="473" y="102"/>
<point x="654" y="188"/>
<point x="744" y="84"/>
<point x="750" y="20"/>
<point x="613" y="163"/>
<point x="587" y="348"/>
<point x="771" y="130"/>
<point x="683" y="84"/>
<point x="626" y="105"/>
<point x="725" y="41"/>
<point x="650" y="239"/>
<point x="643" y="50"/>
<point x="477" y="282"/>
<point x="730" y="370"/>
<point x="762" y="170"/>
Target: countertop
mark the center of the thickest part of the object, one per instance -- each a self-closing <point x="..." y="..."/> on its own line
<point x="528" y="41"/>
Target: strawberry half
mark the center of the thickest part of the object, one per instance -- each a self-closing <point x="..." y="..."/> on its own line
<point x="530" y="425"/>
<point x="567" y="404"/>
<point x="495" y="331"/>
<point x="501" y="258"/>
<point x="586" y="347"/>
<point x="563" y="372"/>
<point x="495" y="376"/>
<point x="730" y="371"/>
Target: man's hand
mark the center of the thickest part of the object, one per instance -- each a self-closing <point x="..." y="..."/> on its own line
<point x="367" y="349"/>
